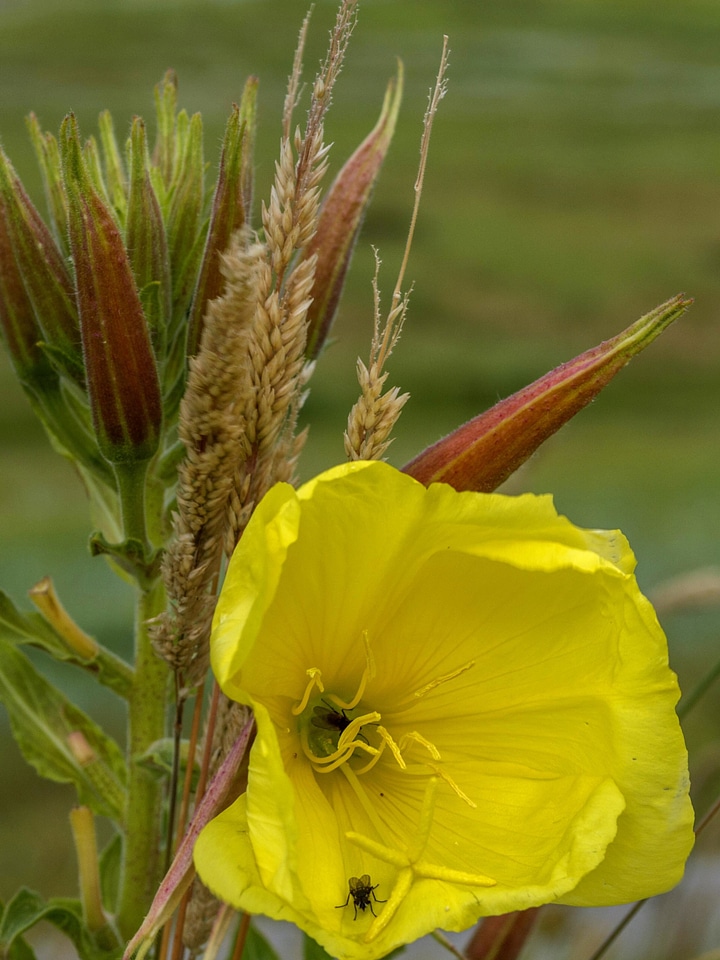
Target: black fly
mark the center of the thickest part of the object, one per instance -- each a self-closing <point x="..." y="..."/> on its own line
<point x="361" y="889"/>
<point x="332" y="718"/>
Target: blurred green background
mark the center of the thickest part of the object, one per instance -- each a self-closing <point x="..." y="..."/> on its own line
<point x="574" y="183"/>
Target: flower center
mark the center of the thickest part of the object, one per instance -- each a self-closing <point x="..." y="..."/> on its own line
<point x="334" y="731"/>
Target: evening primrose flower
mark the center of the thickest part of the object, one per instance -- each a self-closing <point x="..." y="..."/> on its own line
<point x="462" y="701"/>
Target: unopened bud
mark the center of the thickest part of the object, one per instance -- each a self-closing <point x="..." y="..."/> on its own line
<point x="341" y="217"/>
<point x="120" y="367"/>
<point x="484" y="452"/>
<point x="44" y="272"/>
<point x="230" y="209"/>
<point x="146" y="241"/>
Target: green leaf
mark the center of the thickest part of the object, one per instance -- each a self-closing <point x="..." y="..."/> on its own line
<point x="257" y="947"/>
<point x="131" y="556"/>
<point x="43" y="719"/>
<point x="110" y="869"/>
<point x="33" y="629"/>
<point x="30" y="628"/>
<point x="21" y="950"/>
<point x="28" y="908"/>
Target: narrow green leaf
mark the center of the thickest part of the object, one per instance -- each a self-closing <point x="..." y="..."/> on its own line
<point x="43" y="720"/>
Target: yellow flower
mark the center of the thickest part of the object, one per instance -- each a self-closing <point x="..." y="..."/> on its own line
<point x="463" y="708"/>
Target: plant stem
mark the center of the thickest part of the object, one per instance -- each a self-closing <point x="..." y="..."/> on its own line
<point x="146" y="724"/>
<point x="131" y="487"/>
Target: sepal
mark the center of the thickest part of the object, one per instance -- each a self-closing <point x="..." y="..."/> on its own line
<point x="484" y="452"/>
<point x="341" y="217"/>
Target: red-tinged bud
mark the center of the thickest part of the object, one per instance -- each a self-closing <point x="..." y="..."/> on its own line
<point x="146" y="241"/>
<point x="23" y="338"/>
<point x="231" y="206"/>
<point x="44" y="272"/>
<point x="120" y="366"/>
<point x="484" y="452"/>
<point x="341" y="217"/>
<point x="20" y="329"/>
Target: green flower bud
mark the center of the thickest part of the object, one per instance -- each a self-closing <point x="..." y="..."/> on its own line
<point x="146" y="241"/>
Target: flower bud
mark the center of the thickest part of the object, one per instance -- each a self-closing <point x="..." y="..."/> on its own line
<point x="484" y="452"/>
<point x="119" y="363"/>
<point x="231" y="206"/>
<point x="18" y="324"/>
<point x="146" y="241"/>
<point x="341" y="217"/>
<point x="45" y="275"/>
<point x="183" y="216"/>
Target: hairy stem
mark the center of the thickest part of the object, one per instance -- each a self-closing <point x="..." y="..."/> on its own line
<point x="147" y="709"/>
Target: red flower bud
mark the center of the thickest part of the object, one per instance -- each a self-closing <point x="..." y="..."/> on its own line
<point x="44" y="272"/>
<point x="119" y="363"/>
<point x="341" y="217"/>
<point x="483" y="453"/>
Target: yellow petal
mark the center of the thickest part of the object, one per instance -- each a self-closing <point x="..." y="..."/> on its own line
<point x="526" y="750"/>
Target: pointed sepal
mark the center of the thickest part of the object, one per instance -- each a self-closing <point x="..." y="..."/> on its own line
<point x="484" y="452"/>
<point x="342" y="215"/>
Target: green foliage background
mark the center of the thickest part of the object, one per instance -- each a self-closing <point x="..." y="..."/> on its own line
<point x="574" y="183"/>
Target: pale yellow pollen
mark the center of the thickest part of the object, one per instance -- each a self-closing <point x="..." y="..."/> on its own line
<point x="315" y="675"/>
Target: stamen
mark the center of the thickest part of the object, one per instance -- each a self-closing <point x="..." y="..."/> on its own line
<point x="444" y="679"/>
<point x="356" y="724"/>
<point x="394" y="748"/>
<point x="368" y="674"/>
<point x="451" y="783"/>
<point x="339" y="761"/>
<point x="371" y="764"/>
<point x="419" y="738"/>
<point x="315" y="675"/>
